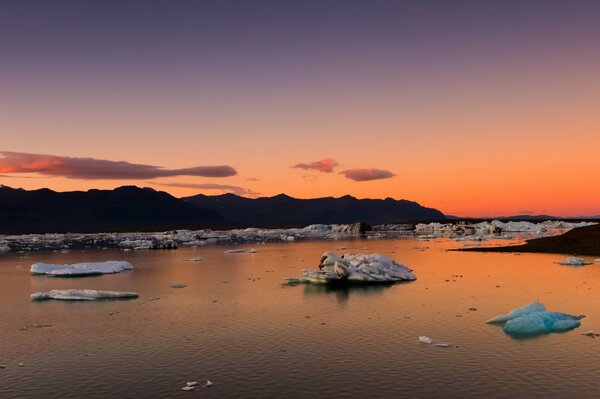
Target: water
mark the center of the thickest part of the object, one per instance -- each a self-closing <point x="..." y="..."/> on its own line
<point x="238" y="326"/>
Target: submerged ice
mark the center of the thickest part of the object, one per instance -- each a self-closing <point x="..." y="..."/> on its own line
<point x="533" y="319"/>
<point x="357" y="268"/>
<point x="82" y="295"/>
<point x="81" y="269"/>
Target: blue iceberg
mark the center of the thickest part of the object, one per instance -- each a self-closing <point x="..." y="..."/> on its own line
<point x="537" y="323"/>
<point x="533" y="319"/>
<point x="534" y="306"/>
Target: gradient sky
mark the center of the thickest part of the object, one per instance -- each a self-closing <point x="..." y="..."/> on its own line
<point x="473" y="107"/>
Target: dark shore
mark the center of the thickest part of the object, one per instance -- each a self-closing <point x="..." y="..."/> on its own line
<point x="579" y="241"/>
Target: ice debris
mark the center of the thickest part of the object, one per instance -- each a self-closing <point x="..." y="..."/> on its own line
<point x="533" y="319"/>
<point x="573" y="261"/>
<point x="356" y="268"/>
<point x="195" y="259"/>
<point x="82" y="295"/>
<point x="81" y="269"/>
<point x="4" y="249"/>
<point x="432" y="342"/>
<point x="241" y="251"/>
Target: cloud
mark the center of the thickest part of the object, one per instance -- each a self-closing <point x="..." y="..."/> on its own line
<point x="324" y="165"/>
<point x="226" y="188"/>
<point x="367" y="174"/>
<point x="90" y="168"/>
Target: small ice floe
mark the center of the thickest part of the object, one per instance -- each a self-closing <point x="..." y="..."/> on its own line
<point x="591" y="334"/>
<point x="4" y="249"/>
<point x="195" y="259"/>
<point x="241" y="251"/>
<point x="573" y="261"/>
<point x="533" y="319"/>
<point x="597" y="260"/>
<point x="81" y="269"/>
<point x="432" y="342"/>
<point x="208" y="384"/>
<point x="188" y="388"/>
<point x="82" y="295"/>
<point x="359" y="268"/>
<point x="21" y="364"/>
<point x="178" y="286"/>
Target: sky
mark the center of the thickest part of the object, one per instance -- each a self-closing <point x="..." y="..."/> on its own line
<point x="476" y="108"/>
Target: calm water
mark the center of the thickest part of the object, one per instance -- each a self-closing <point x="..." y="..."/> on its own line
<point x="237" y="325"/>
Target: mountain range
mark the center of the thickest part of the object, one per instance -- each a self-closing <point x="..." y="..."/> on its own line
<point x="132" y="208"/>
<point x="285" y="211"/>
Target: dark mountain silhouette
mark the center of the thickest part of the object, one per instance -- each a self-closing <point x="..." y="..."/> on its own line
<point x="122" y="209"/>
<point x="285" y="211"/>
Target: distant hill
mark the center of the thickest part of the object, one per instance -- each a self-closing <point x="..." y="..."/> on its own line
<point x="579" y="241"/>
<point x="285" y="211"/>
<point x="123" y="209"/>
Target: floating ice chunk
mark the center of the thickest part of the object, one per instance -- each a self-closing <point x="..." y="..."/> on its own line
<point x="178" y="285"/>
<point x="195" y="259"/>
<point x="597" y="260"/>
<point x="430" y="341"/>
<point x="591" y="334"/>
<point x="534" y="306"/>
<point x="4" y="249"/>
<point x="82" y="295"/>
<point x="192" y="383"/>
<point x="537" y="323"/>
<point x="359" y="268"/>
<point x="188" y="388"/>
<point x="81" y="269"/>
<point x="208" y="384"/>
<point x="241" y="251"/>
<point x="573" y="261"/>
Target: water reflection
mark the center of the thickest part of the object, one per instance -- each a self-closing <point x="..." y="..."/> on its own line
<point x="342" y="291"/>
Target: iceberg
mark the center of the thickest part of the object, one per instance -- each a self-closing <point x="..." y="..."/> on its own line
<point x="534" y="306"/>
<point x="357" y="268"/>
<point x="533" y="319"/>
<point x="82" y="295"/>
<point x="573" y="261"/>
<point x="537" y="323"/>
<point x="81" y="269"/>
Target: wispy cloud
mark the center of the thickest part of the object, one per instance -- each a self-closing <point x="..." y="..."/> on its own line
<point x="367" y="174"/>
<point x="225" y="188"/>
<point x="90" y="168"/>
<point x="324" y="165"/>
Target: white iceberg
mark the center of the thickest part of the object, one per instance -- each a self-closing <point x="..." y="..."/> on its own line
<point x="81" y="269"/>
<point x="534" y="306"/>
<point x="430" y="341"/>
<point x="357" y="268"/>
<point x="573" y="261"/>
<point x="537" y="323"/>
<point x="82" y="295"/>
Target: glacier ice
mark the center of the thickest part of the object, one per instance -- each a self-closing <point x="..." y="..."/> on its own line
<point x="533" y="319"/>
<point x="573" y="261"/>
<point x="430" y="341"/>
<point x="81" y="269"/>
<point x="541" y="322"/>
<point x="357" y="268"/>
<point x="534" y="306"/>
<point x="82" y="295"/>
